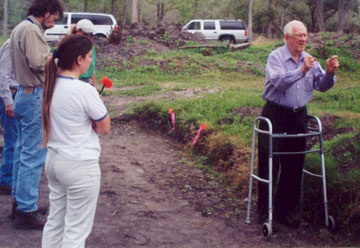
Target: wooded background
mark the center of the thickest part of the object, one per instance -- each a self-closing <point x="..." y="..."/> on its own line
<point x="262" y="16"/>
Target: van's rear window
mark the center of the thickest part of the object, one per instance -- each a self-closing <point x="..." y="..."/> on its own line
<point x="95" y="19"/>
<point x="232" y="25"/>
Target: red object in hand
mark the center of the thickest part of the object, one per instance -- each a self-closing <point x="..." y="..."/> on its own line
<point x="106" y="82"/>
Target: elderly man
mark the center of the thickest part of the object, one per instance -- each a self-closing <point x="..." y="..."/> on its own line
<point x="29" y="53"/>
<point x="291" y="76"/>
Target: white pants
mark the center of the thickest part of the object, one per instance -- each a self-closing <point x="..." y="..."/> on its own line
<point x="74" y="190"/>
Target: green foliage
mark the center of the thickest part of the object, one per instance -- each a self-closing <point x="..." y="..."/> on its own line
<point x="339" y="99"/>
<point x="343" y="183"/>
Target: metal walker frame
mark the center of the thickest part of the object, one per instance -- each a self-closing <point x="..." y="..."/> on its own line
<point x="312" y="131"/>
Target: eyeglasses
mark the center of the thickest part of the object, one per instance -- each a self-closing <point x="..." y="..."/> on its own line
<point x="301" y="35"/>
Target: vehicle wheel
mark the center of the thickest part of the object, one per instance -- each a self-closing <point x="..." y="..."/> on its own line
<point x="228" y="38"/>
<point x="266" y="230"/>
<point x="100" y="35"/>
<point x="331" y="223"/>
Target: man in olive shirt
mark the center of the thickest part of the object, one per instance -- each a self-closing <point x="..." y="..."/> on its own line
<point x="29" y="53"/>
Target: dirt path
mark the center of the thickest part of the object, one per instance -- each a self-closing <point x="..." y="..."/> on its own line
<point x="151" y="196"/>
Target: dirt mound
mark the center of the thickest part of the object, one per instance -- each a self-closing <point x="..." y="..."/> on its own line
<point x="140" y="40"/>
<point x="171" y="35"/>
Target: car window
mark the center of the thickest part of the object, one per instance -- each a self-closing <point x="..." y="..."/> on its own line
<point x="62" y="21"/>
<point x="194" y="26"/>
<point x="77" y="17"/>
<point x="95" y="19"/>
<point x="232" y="25"/>
<point x="101" y="20"/>
<point x="209" y="25"/>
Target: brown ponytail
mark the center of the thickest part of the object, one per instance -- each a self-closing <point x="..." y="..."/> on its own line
<point x="67" y="52"/>
<point x="48" y="91"/>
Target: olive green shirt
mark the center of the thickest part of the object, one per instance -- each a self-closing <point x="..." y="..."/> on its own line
<point x="29" y="52"/>
<point x="91" y="69"/>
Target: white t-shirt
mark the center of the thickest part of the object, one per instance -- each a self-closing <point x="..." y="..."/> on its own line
<point x="73" y="107"/>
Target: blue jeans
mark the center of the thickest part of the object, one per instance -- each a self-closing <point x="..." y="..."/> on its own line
<point x="29" y="156"/>
<point x="10" y="134"/>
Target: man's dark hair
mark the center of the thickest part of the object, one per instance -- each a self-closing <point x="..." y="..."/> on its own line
<point x="39" y="8"/>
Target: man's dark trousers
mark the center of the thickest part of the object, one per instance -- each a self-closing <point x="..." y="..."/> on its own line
<point x="290" y="121"/>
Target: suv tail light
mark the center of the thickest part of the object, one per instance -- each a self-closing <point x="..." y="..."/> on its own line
<point x="245" y="32"/>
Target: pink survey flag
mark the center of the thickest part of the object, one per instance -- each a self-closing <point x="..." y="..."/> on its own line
<point x="202" y="127"/>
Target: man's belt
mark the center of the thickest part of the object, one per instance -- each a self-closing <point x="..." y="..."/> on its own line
<point x="292" y="109"/>
<point x="28" y="89"/>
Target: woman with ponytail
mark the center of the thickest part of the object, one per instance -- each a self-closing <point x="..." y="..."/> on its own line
<point x="73" y="115"/>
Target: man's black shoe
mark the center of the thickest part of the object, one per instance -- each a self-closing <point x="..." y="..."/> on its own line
<point x="262" y="216"/>
<point x="31" y="220"/>
<point x="289" y="221"/>
<point x="5" y="190"/>
<point x="14" y="211"/>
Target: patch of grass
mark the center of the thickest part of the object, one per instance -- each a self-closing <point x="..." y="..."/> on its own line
<point x="146" y="90"/>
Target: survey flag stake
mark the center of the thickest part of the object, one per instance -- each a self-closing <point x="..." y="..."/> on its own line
<point x="171" y="112"/>
<point x="202" y="127"/>
<point x="106" y="82"/>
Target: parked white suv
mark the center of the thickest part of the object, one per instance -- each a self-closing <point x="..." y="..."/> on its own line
<point x="223" y="30"/>
<point x="103" y="24"/>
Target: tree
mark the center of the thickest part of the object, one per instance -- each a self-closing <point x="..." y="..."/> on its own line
<point x="5" y="22"/>
<point x="113" y="4"/>
<point x="160" y="11"/>
<point x="86" y="5"/>
<point x="250" y="19"/>
<point x="134" y="11"/>
<point x="270" y="19"/>
<point x="320" y="15"/>
<point x="342" y="15"/>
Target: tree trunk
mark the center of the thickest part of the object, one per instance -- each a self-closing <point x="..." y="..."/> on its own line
<point x="113" y="3"/>
<point x="250" y="19"/>
<point x="312" y="9"/>
<point x="134" y="11"/>
<point x="320" y="15"/>
<point x="196" y="9"/>
<point x="139" y="12"/>
<point x="5" y="22"/>
<point x="85" y="5"/>
<point x="160" y="11"/>
<point x="270" y="21"/>
<point x="342" y="15"/>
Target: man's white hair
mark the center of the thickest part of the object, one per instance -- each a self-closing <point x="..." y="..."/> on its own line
<point x="289" y="28"/>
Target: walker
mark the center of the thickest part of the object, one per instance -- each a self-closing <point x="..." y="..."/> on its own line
<point x="312" y="131"/>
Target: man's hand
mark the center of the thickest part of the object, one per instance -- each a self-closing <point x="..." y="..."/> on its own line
<point x="9" y="110"/>
<point x="308" y="64"/>
<point x="332" y="64"/>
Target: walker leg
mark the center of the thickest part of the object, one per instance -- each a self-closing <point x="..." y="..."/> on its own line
<point x="247" y="220"/>
<point x="270" y="183"/>
<point x="324" y="190"/>
<point x="324" y="180"/>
